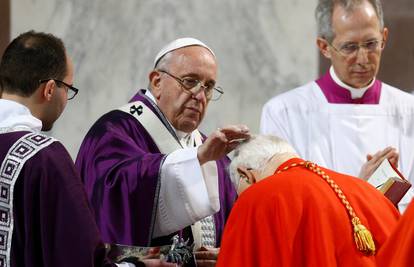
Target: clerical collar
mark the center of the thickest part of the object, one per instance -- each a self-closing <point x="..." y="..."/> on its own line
<point x="184" y="138"/>
<point x="17" y="117"/>
<point x="355" y="92"/>
<point x="337" y="92"/>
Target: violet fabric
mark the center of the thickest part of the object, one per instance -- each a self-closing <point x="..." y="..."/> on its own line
<point x="53" y="223"/>
<point x="120" y="165"/>
<point x="336" y="94"/>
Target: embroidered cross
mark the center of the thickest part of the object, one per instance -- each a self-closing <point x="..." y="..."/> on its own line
<point x="134" y="109"/>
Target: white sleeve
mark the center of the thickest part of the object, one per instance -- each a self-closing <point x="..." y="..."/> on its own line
<point x="406" y="200"/>
<point x="184" y="196"/>
<point x="274" y="120"/>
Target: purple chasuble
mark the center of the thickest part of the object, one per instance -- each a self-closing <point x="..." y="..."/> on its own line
<point x="335" y="94"/>
<point x="53" y="223"/>
<point x="120" y="166"/>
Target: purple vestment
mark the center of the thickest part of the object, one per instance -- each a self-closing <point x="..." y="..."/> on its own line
<point x="335" y="94"/>
<point x="120" y="167"/>
<point x="53" y="223"/>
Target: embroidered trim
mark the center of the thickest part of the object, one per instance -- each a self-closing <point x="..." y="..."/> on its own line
<point x="208" y="232"/>
<point x="21" y="151"/>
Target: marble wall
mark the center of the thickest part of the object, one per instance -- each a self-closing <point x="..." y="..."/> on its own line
<point x="264" y="47"/>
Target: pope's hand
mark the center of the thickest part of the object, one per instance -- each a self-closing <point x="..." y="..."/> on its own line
<point x="221" y="142"/>
<point x="373" y="161"/>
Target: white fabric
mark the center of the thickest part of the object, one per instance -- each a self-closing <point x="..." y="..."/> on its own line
<point x="339" y="136"/>
<point x="179" y="43"/>
<point x="355" y="92"/>
<point x="184" y="197"/>
<point x="17" y="117"/>
<point x="125" y="264"/>
<point x="152" y="124"/>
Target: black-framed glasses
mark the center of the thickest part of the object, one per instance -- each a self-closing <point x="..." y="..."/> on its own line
<point x="350" y="49"/>
<point x="194" y="86"/>
<point x="72" y="91"/>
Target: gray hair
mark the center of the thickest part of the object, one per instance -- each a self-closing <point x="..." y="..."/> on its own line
<point x="324" y="11"/>
<point x="164" y="62"/>
<point x="256" y="152"/>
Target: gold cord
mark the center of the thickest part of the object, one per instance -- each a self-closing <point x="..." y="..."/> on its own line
<point x="362" y="236"/>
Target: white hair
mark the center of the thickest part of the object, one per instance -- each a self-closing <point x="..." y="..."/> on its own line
<point x="256" y="152"/>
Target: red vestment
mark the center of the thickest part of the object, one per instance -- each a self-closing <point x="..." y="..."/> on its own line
<point x="296" y="219"/>
<point x="399" y="248"/>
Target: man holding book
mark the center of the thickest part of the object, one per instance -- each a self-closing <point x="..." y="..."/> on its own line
<point x="344" y="117"/>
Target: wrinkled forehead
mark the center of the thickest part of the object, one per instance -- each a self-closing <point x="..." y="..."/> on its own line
<point x="192" y="59"/>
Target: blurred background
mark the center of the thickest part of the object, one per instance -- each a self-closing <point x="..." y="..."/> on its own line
<point x="264" y="47"/>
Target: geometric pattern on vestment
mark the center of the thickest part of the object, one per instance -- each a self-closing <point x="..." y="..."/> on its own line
<point x="21" y="151"/>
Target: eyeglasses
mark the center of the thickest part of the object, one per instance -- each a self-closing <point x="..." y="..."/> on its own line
<point x="350" y="49"/>
<point x="194" y="86"/>
<point x="72" y="91"/>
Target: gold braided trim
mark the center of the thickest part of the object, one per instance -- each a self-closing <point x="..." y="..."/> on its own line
<point x="363" y="237"/>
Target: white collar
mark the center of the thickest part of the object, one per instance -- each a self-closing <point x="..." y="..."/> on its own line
<point x="17" y="117"/>
<point x="150" y="95"/>
<point x="355" y="92"/>
<point x="186" y="139"/>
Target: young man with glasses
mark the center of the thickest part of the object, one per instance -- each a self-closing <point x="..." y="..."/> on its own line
<point x="45" y="218"/>
<point x="343" y="118"/>
<point x="148" y="172"/>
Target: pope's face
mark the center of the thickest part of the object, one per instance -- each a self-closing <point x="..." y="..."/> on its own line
<point x="184" y="110"/>
<point x="357" y="27"/>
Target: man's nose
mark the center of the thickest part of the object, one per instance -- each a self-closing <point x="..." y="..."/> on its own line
<point x="362" y="55"/>
<point x="201" y="94"/>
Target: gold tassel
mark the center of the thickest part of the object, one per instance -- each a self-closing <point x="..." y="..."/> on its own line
<point x="363" y="237"/>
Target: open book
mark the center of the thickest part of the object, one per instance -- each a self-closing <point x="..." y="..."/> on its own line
<point x="390" y="182"/>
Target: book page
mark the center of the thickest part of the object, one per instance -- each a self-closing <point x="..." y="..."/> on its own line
<point x="382" y="174"/>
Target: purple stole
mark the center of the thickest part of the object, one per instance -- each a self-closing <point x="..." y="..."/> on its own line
<point x="336" y="94"/>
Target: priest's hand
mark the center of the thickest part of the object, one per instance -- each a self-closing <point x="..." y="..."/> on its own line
<point x="206" y="257"/>
<point x="221" y="142"/>
<point x="373" y="161"/>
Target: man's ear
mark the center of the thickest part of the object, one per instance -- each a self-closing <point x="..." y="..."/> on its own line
<point x="155" y="83"/>
<point x="48" y="90"/>
<point x="248" y="173"/>
<point x="323" y="47"/>
<point x="385" y="35"/>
